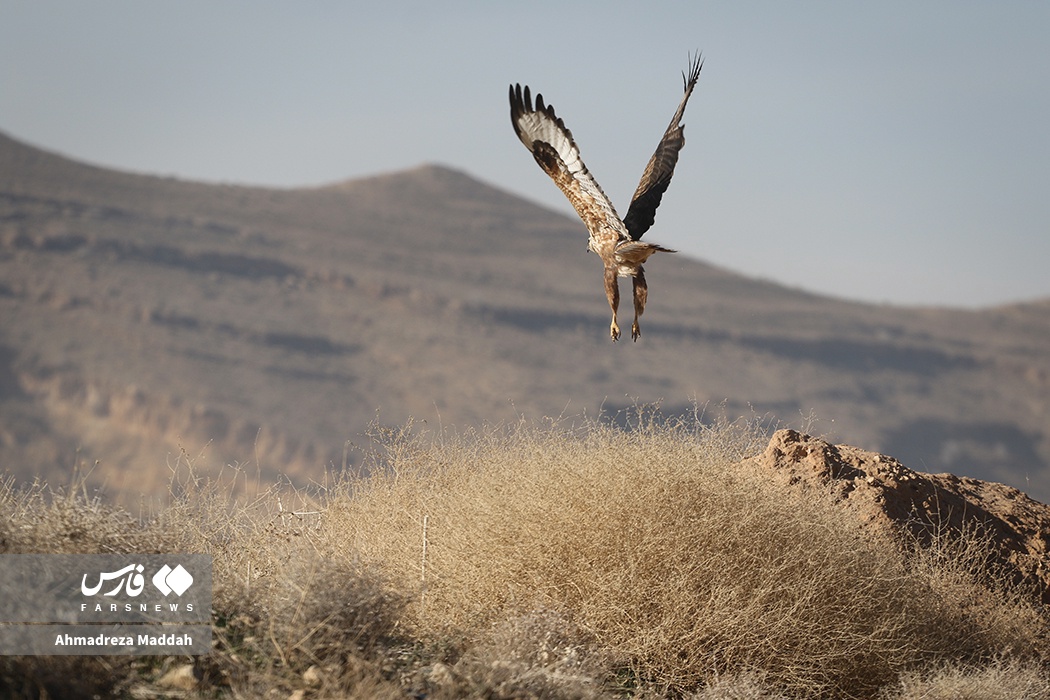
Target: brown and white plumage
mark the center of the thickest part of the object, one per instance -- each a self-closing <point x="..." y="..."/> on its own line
<point x="617" y="241"/>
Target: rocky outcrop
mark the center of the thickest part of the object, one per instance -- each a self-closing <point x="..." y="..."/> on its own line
<point x="891" y="499"/>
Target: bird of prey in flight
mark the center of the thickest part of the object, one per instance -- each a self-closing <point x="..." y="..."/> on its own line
<point x="617" y="242"/>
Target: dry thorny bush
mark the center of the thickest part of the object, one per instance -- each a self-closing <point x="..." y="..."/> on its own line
<point x="573" y="561"/>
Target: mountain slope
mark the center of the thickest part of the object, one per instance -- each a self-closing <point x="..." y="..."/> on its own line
<point x="144" y="316"/>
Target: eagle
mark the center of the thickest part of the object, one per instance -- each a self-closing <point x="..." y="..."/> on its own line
<point x="616" y="241"/>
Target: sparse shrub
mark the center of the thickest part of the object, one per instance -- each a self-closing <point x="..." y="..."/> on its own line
<point x="672" y="555"/>
<point x="541" y="654"/>
<point x="746" y="685"/>
<point x="295" y="609"/>
<point x="65" y="521"/>
<point x="995" y="681"/>
<point x="558" y="562"/>
<point x="977" y="602"/>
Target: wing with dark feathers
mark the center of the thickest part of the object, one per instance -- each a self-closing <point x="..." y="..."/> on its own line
<point x="553" y="147"/>
<point x="657" y="176"/>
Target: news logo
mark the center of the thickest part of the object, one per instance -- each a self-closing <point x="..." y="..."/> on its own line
<point x="167" y="580"/>
<point x="105" y="604"/>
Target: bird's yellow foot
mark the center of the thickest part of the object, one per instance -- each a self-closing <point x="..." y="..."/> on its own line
<point x="614" y="331"/>
<point x="635" y="332"/>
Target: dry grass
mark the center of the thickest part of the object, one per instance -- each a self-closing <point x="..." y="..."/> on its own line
<point x="557" y="561"/>
<point x="681" y="564"/>
<point x="994" y="681"/>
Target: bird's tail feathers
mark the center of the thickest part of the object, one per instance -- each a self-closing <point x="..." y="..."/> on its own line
<point x="639" y="251"/>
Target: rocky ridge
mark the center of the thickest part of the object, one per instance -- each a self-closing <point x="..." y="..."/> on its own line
<point x="892" y="500"/>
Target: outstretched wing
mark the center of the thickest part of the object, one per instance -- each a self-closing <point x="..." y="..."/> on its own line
<point x="552" y="145"/>
<point x="657" y="175"/>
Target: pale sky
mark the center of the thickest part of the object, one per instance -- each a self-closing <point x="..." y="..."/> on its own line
<point x="887" y="152"/>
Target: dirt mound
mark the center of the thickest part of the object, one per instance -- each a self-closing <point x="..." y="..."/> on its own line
<point x="892" y="499"/>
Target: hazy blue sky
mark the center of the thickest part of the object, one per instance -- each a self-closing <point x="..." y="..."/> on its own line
<point x="884" y="151"/>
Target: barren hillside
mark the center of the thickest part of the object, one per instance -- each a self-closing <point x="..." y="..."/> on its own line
<point x="146" y="316"/>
